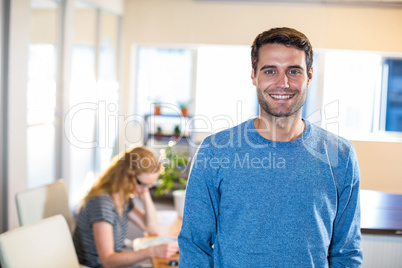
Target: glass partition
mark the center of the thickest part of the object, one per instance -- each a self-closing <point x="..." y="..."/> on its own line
<point x="83" y="101"/>
<point x="42" y="157"/>
<point x="108" y="88"/>
<point x="94" y="96"/>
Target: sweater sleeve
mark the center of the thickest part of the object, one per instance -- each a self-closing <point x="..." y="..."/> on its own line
<point x="198" y="231"/>
<point x="345" y="248"/>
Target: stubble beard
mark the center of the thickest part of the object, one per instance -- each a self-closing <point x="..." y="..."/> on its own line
<point x="270" y="110"/>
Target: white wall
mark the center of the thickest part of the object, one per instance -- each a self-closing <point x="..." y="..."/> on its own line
<point x="115" y="6"/>
<point x="217" y="22"/>
<point x="380" y="165"/>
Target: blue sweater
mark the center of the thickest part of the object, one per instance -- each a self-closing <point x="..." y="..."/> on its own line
<point x="252" y="202"/>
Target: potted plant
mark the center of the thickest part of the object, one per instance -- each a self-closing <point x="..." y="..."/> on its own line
<point x="158" y="134"/>
<point x="157" y="108"/>
<point x="184" y="108"/>
<point x="177" y="131"/>
<point x="173" y="179"/>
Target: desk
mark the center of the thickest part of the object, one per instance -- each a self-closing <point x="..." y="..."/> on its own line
<point x="381" y="226"/>
<point x="170" y="225"/>
<point x="381" y="213"/>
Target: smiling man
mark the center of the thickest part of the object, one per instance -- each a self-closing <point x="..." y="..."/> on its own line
<point x="243" y="209"/>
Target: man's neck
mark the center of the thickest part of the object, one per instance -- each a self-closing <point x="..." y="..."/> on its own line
<point x="280" y="129"/>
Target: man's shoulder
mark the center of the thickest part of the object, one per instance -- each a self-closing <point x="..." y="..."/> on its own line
<point x="325" y="137"/>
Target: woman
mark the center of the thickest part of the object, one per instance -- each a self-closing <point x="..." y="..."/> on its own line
<point x="103" y="218"/>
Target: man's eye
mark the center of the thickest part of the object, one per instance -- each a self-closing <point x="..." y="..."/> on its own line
<point x="269" y="71"/>
<point x="296" y="71"/>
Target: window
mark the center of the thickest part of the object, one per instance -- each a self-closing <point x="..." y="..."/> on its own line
<point x="350" y="84"/>
<point x="165" y="76"/>
<point x="355" y="94"/>
<point x="393" y="92"/>
<point x="225" y="95"/>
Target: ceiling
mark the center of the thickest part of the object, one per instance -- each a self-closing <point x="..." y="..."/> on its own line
<point x="385" y="3"/>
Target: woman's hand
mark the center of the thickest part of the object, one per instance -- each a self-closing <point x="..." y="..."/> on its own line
<point x="149" y="219"/>
<point x="140" y="191"/>
<point x="165" y="250"/>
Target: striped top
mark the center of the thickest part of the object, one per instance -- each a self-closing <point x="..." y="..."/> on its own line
<point x="100" y="208"/>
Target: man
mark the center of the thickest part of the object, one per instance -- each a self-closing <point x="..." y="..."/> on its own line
<point x="275" y="191"/>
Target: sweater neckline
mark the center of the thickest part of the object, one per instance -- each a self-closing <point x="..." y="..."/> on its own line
<point x="253" y="133"/>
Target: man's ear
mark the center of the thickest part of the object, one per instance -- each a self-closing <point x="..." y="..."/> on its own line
<point x="310" y="76"/>
<point x="253" y="76"/>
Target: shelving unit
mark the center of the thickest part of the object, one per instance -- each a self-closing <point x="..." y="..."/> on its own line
<point x="156" y="142"/>
<point x="167" y="122"/>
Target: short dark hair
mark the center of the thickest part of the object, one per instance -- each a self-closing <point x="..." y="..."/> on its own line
<point x="284" y="36"/>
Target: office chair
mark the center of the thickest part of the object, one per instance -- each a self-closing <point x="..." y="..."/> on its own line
<point x="45" y="243"/>
<point x="42" y="202"/>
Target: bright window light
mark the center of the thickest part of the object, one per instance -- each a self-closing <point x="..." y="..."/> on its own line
<point x="164" y="75"/>
<point x="225" y="95"/>
<point x="350" y="84"/>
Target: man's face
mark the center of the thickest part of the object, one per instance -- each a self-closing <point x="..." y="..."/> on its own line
<point x="281" y="80"/>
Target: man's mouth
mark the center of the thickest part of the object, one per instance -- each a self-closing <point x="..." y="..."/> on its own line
<point x="281" y="97"/>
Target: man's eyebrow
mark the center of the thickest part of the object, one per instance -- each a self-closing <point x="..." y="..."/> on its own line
<point x="273" y="66"/>
<point x="267" y="67"/>
<point x="295" y="67"/>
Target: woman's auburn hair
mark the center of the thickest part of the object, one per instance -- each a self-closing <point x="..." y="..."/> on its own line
<point x="121" y="174"/>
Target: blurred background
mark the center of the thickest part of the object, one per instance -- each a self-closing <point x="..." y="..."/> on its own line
<point x="82" y="81"/>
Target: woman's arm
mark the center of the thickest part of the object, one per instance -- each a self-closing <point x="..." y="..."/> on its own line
<point x="104" y="242"/>
<point x="146" y="220"/>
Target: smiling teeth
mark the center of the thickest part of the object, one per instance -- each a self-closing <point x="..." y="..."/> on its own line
<point x="281" y="96"/>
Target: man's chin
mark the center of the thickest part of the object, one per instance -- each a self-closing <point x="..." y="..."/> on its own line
<point x="279" y="113"/>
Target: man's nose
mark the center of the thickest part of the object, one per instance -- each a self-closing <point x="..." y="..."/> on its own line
<point x="283" y="80"/>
